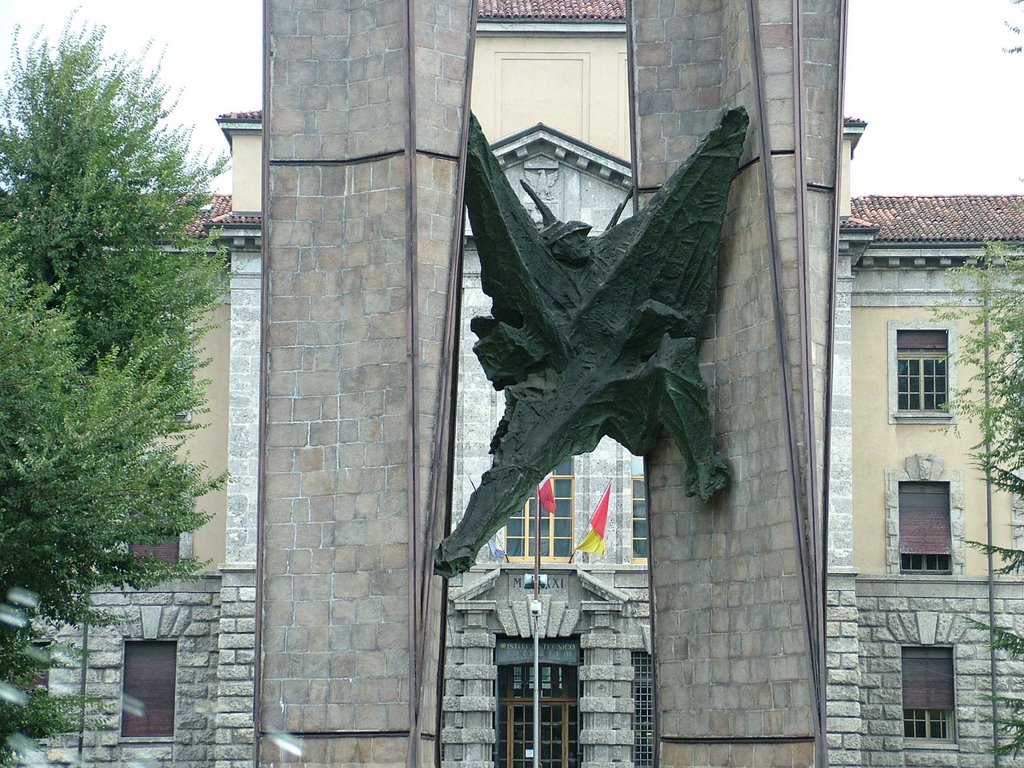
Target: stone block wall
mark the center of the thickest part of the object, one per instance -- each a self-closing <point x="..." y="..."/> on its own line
<point x="365" y="108"/>
<point x="932" y="611"/>
<point x="843" y="662"/>
<point x="236" y="665"/>
<point x="187" y="613"/>
<point x="738" y="632"/>
<point x="613" y="619"/>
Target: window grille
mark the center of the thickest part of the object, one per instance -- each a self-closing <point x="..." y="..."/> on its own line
<point x="643" y="710"/>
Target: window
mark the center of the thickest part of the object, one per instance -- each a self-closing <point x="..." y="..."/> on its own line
<point x="925" y="538"/>
<point x="928" y="693"/>
<point x="921" y="370"/>
<point x="640" y="529"/>
<point x="148" y="688"/>
<point x="643" y="710"/>
<point x="912" y="524"/>
<point x="167" y="551"/>
<point x="556" y="542"/>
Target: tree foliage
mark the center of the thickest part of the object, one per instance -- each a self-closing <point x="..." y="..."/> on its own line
<point x="993" y="348"/>
<point x="1015" y="26"/>
<point x="993" y="400"/>
<point x="103" y="300"/>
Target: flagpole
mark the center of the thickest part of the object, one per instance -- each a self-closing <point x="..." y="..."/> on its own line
<point x="535" y="613"/>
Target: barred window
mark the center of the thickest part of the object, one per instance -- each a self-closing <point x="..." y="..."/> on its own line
<point x="643" y="710"/>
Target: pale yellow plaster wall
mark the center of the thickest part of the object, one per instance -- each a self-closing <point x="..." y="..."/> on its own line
<point x="210" y="444"/>
<point x="878" y="445"/>
<point x="246" y="169"/>
<point x="844" y="177"/>
<point x="575" y="83"/>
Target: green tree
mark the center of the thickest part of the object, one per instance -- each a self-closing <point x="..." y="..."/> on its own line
<point x="103" y="303"/>
<point x="993" y="400"/>
<point x="1015" y="26"/>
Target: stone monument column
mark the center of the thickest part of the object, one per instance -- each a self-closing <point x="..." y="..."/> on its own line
<point x="737" y="583"/>
<point x="364" y="114"/>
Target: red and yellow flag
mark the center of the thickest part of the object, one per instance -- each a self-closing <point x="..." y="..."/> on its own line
<point x="593" y="542"/>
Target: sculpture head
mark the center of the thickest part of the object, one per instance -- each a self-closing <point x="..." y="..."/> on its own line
<point x="567" y="242"/>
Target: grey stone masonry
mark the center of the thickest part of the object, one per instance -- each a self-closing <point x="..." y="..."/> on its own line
<point x="364" y="115"/>
<point x="236" y="664"/>
<point x="934" y="611"/>
<point x="613" y="619"/>
<point x="185" y="614"/>
<point x="243" y="408"/>
<point x="738" y="630"/>
<point x="842" y="660"/>
<point x="842" y="644"/>
<point x="236" y="668"/>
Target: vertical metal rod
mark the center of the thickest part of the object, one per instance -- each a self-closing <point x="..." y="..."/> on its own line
<point x="536" y="691"/>
<point x="82" y="682"/>
<point x="991" y="577"/>
<point x="536" y="544"/>
<point x="536" y="630"/>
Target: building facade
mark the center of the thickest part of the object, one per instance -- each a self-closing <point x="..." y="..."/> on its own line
<point x="910" y="670"/>
<point x="909" y="673"/>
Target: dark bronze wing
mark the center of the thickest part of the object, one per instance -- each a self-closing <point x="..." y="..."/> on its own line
<point x="665" y="253"/>
<point x="528" y="329"/>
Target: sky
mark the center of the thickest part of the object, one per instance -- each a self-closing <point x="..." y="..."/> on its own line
<point x="212" y="51"/>
<point x="942" y="100"/>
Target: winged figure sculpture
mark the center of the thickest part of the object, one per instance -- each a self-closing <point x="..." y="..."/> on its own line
<point x="593" y="336"/>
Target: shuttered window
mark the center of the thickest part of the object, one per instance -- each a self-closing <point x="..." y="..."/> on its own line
<point x="908" y="340"/>
<point x="148" y="700"/>
<point x="168" y="551"/>
<point x="922" y="373"/>
<point x="925" y="538"/>
<point x="928" y="693"/>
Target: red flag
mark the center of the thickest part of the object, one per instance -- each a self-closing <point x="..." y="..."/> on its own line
<point x="593" y="542"/>
<point x="546" y="494"/>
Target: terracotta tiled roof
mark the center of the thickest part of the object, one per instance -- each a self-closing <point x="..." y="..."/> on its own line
<point x="852" y="222"/>
<point x="219" y="205"/>
<point x="219" y="213"/>
<point x="254" y="114"/>
<point x="596" y="10"/>
<point x="946" y="218"/>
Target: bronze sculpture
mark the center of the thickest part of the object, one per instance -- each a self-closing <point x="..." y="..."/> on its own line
<point x="593" y="336"/>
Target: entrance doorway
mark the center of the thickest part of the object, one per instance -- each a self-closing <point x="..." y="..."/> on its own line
<point x="559" y="716"/>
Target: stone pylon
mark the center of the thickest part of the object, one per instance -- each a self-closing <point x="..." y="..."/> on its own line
<point x="364" y="114"/>
<point x="737" y="584"/>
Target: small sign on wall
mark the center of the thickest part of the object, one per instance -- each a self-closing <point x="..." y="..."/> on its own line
<point x="551" y="652"/>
